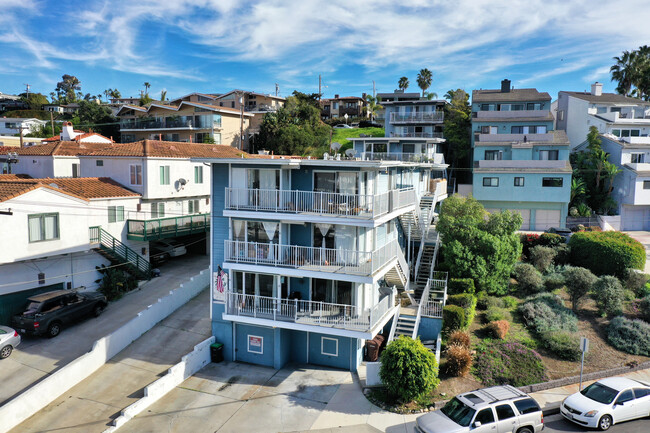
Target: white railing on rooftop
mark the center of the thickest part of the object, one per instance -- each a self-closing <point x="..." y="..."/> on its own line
<point x="417" y="134"/>
<point x="432" y="307"/>
<point x="320" y="203"/>
<point x="512" y="114"/>
<point x="499" y="138"/>
<point x="308" y="312"/>
<point x="334" y="260"/>
<point x="437" y="158"/>
<point x="417" y="117"/>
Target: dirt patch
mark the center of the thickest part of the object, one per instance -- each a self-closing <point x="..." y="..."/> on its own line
<point x="229" y="383"/>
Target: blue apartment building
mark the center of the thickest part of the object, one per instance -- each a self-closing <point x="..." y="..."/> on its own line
<point x="408" y="115"/>
<point x="519" y="162"/>
<point x="309" y="256"/>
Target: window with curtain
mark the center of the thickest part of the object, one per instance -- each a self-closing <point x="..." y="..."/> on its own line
<point x="193" y="206"/>
<point x="198" y="174"/>
<point x="115" y="214"/>
<point x="157" y="210"/>
<point x="136" y="174"/>
<point x="43" y="227"/>
<point x="164" y="175"/>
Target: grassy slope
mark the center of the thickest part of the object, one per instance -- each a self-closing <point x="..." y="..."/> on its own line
<point x="342" y="135"/>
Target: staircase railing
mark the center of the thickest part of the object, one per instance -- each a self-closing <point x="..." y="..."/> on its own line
<point x="423" y="299"/>
<point x="403" y="264"/>
<point x="122" y="252"/>
<point x="435" y="256"/>
<point x="393" y="327"/>
<point x="424" y="229"/>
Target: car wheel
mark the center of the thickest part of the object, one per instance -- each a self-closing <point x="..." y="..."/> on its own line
<point x="525" y="430"/>
<point x="605" y="422"/>
<point x="5" y="352"/>
<point x="98" y="310"/>
<point x="53" y="330"/>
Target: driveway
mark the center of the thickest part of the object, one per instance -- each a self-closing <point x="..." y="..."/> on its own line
<point x="644" y="238"/>
<point x="36" y="358"/>
<point x="92" y="404"/>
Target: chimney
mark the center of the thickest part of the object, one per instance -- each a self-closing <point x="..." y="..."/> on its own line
<point x="597" y="89"/>
<point x="363" y="96"/>
<point x="336" y="96"/>
<point x="67" y="132"/>
<point x="505" y="86"/>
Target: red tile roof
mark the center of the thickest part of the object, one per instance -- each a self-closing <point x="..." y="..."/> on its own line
<point x="9" y="189"/>
<point x="82" y="187"/>
<point x="79" y="137"/>
<point x="62" y="148"/>
<point x="14" y="176"/>
<point x="169" y="149"/>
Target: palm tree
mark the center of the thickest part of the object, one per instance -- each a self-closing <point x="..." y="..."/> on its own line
<point x="625" y="71"/>
<point x="430" y="95"/>
<point x="163" y="95"/>
<point x="403" y="83"/>
<point x="373" y="106"/>
<point x="578" y="188"/>
<point x="147" y="85"/>
<point x="115" y="94"/>
<point x="424" y="79"/>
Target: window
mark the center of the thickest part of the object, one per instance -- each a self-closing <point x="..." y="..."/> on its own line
<point x="217" y="137"/>
<point x="560" y="115"/>
<point x="99" y="163"/>
<point x="616" y="132"/>
<point x="335" y="105"/>
<point x="329" y="346"/>
<point x="486" y="416"/>
<point x="157" y="210"/>
<point x="527" y="405"/>
<point x="504" y="411"/>
<point x="549" y="155"/>
<point x="489" y="129"/>
<point x="601" y="110"/>
<point x="488" y="107"/>
<point x="198" y="174"/>
<point x="555" y="182"/>
<point x="115" y="214"/>
<point x="528" y="129"/>
<point x="75" y="170"/>
<point x="637" y="158"/>
<point x="43" y="227"/>
<point x="193" y="206"/>
<point x="534" y="106"/>
<point x="519" y="181"/>
<point x="493" y="155"/>
<point x="136" y="174"/>
<point x="646" y="184"/>
<point x="626" y="395"/>
<point x="641" y="392"/>
<point x="490" y="181"/>
<point x="164" y="175"/>
<point x="615" y="110"/>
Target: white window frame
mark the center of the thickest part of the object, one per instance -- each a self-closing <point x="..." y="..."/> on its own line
<point x="41" y="217"/>
<point x="638" y="155"/>
<point x="117" y="214"/>
<point x="165" y="175"/>
<point x="198" y="174"/>
<point x="523" y="181"/>
<point x="322" y="346"/>
<point x="248" y="344"/>
<point x="132" y="174"/>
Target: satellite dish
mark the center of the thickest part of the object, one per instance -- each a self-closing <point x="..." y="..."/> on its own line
<point x="350" y="153"/>
<point x="326" y="155"/>
<point x="182" y="181"/>
<point x="336" y="145"/>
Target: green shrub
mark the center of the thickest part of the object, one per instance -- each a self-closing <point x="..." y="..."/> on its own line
<point x="631" y="336"/>
<point x="550" y="240"/>
<point x="408" y="369"/>
<point x="453" y="318"/>
<point x="510" y="302"/>
<point x="579" y="282"/>
<point x="564" y="344"/>
<point x="609" y="296"/>
<point x="553" y="281"/>
<point x="562" y="254"/>
<point x="468" y="303"/>
<point x="486" y="301"/>
<point x="528" y="278"/>
<point x="644" y="306"/>
<point x="460" y="285"/>
<point x="542" y="257"/>
<point x="607" y="253"/>
<point x="494" y="314"/>
<point x="499" y="362"/>
<point x="636" y="281"/>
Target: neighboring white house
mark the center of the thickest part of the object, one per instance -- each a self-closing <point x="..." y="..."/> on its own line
<point x="13" y="125"/>
<point x="611" y="113"/>
<point x="68" y="133"/>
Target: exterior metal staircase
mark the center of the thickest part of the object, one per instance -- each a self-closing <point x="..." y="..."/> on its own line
<point x="119" y="254"/>
<point x="427" y="263"/>
<point x="398" y="275"/>
<point x="406" y="325"/>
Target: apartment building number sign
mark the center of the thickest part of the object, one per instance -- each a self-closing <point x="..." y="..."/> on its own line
<point x="219" y="286"/>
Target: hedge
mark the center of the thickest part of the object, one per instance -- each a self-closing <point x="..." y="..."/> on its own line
<point x="453" y="318"/>
<point x="468" y="303"/>
<point x="532" y="240"/>
<point x="606" y="253"/>
<point x="631" y="336"/>
<point x="461" y="285"/>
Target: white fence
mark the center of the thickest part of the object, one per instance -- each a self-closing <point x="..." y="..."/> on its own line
<point x="45" y="392"/>
<point x="190" y="364"/>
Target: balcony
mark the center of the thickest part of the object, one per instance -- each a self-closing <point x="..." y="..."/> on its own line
<point x="505" y="138"/>
<point x="161" y="228"/>
<point x="522" y="164"/>
<point x="416" y="134"/>
<point x="180" y="122"/>
<point x="511" y="114"/>
<point x="364" y="206"/>
<point x="418" y="117"/>
<point x="331" y="315"/>
<point x="436" y="158"/>
<point x="311" y="259"/>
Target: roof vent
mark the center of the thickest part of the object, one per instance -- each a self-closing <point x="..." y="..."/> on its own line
<point x="505" y="86"/>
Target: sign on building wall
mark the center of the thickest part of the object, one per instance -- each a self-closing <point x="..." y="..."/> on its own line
<point x="255" y="344"/>
<point x="219" y="286"/>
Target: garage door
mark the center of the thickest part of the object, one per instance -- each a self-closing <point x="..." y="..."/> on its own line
<point x="545" y="219"/>
<point x="525" y="214"/>
<point x="634" y="219"/>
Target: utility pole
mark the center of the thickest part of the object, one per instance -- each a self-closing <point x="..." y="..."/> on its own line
<point x="374" y="94"/>
<point x="277" y="89"/>
<point x="20" y="126"/>
<point x="241" y="121"/>
<point x="27" y="87"/>
<point x="320" y="86"/>
<point x="52" y="122"/>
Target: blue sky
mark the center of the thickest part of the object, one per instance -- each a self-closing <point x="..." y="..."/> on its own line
<point x="217" y="45"/>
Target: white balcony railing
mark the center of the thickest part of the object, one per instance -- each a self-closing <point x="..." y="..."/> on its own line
<point x="316" y="259"/>
<point x="498" y="138"/>
<point x="418" y="117"/>
<point x="308" y="312"/>
<point x="512" y="114"/>
<point x="436" y="158"/>
<point x="416" y="134"/>
<point x="319" y="203"/>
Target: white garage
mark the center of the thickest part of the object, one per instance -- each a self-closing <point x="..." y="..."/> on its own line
<point x="545" y="219"/>
<point x="635" y="218"/>
<point x="525" y="214"/>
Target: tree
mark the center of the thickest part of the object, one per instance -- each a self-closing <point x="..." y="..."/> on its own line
<point x="430" y="95"/>
<point x="372" y="105"/>
<point x="578" y="189"/>
<point x="163" y="95"/>
<point x="624" y="71"/>
<point x="115" y="94"/>
<point x="408" y="369"/>
<point x="34" y="101"/>
<point x="458" y="128"/>
<point x="66" y="88"/>
<point x="579" y="282"/>
<point x="308" y="99"/>
<point x="403" y="83"/>
<point x="609" y="296"/>
<point x="484" y="250"/>
<point x="147" y="85"/>
<point x="424" y="79"/>
<point x="97" y="117"/>
<point x="145" y="99"/>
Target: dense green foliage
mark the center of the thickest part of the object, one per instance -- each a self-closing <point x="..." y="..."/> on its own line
<point x="607" y="253"/>
<point x="529" y="280"/>
<point x="511" y="363"/>
<point x="342" y="135"/>
<point x="458" y="127"/>
<point x="461" y="285"/>
<point x="115" y="282"/>
<point x="467" y="302"/>
<point x="609" y="296"/>
<point x="542" y="257"/>
<point x="631" y="336"/>
<point x="579" y="282"/>
<point x="494" y="314"/>
<point x="554" y="281"/>
<point x="473" y="247"/>
<point x="645" y="308"/>
<point x="636" y="281"/>
<point x="632" y="73"/>
<point x="453" y="318"/>
<point x="408" y="369"/>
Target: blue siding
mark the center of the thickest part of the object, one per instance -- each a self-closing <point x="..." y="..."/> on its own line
<point x="268" y="343"/>
<point x="429" y="328"/>
<point x="222" y="331"/>
<point x="298" y="347"/>
<point x="300" y="285"/>
<point x="219" y="222"/>
<point x="282" y="349"/>
<point x="342" y="360"/>
<point x="300" y="235"/>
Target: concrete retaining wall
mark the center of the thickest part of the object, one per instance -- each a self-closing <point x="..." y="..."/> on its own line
<point x="190" y="364"/>
<point x="372" y="374"/>
<point x="610" y="223"/>
<point x="49" y="389"/>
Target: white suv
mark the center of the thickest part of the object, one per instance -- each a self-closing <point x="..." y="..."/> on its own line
<point x="496" y="409"/>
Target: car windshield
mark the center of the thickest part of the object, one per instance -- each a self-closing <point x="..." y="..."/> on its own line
<point x="600" y="393"/>
<point x="458" y="412"/>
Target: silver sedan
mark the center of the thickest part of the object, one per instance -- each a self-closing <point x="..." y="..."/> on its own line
<point x="8" y="340"/>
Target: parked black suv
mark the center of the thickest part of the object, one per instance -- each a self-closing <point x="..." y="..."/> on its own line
<point x="47" y="313"/>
